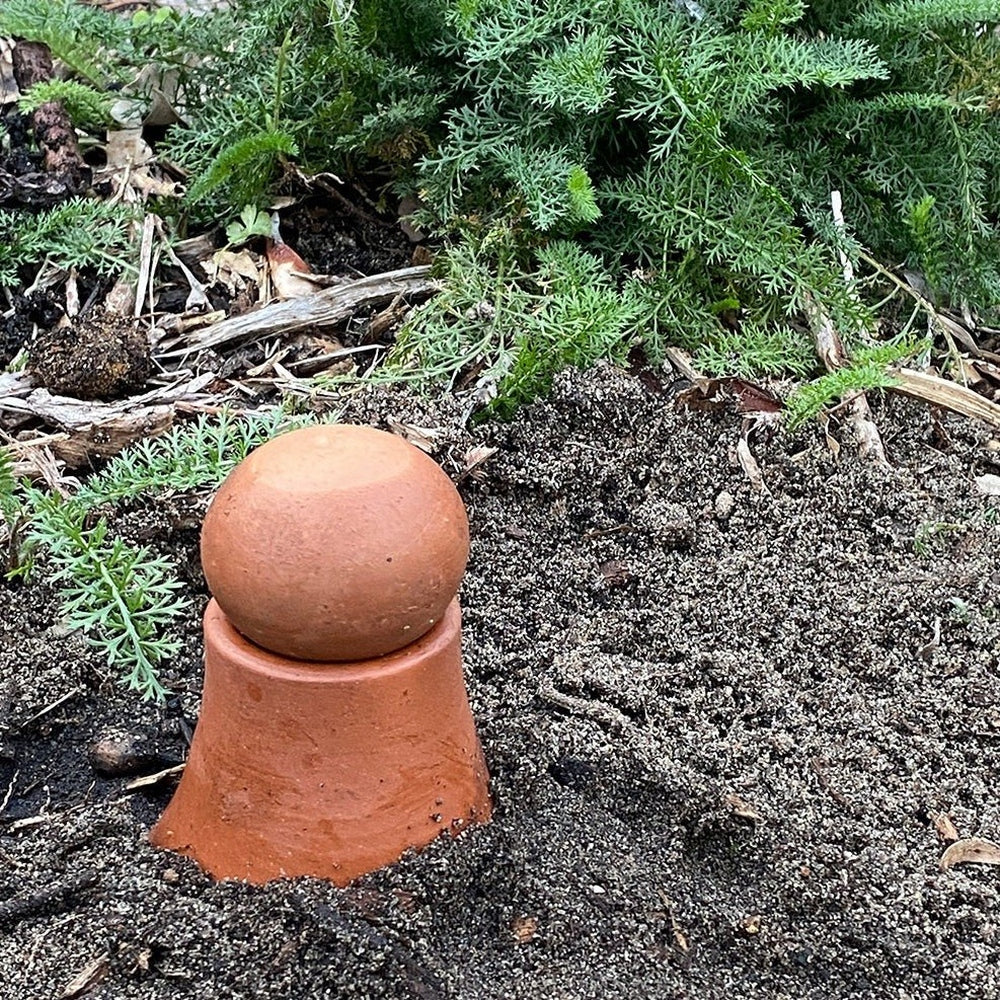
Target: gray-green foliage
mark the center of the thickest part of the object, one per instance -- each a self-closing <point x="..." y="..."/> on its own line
<point x="121" y="596"/>
<point x="126" y="597"/>
<point x="568" y="310"/>
<point x="87" y="108"/>
<point x="79" y="233"/>
<point x="688" y="148"/>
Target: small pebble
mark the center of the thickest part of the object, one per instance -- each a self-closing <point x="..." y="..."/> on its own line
<point x="114" y="755"/>
<point x="724" y="504"/>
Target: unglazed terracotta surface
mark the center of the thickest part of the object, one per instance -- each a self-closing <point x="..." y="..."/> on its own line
<point x="325" y="769"/>
<point x="335" y="543"/>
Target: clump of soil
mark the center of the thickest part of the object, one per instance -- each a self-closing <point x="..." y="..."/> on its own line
<point x="101" y="357"/>
<point x="720" y="724"/>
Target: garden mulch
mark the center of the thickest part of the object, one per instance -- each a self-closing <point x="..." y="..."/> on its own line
<point x="730" y="734"/>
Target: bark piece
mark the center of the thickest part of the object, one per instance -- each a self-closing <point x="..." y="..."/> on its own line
<point x="325" y="308"/>
<point x="54" y="131"/>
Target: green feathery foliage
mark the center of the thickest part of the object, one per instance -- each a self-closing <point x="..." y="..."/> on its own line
<point x="79" y="233"/>
<point x="87" y="108"/>
<point x="76" y="34"/>
<point x="125" y="598"/>
<point x="120" y="596"/>
<point x="247" y="166"/>
<point x="567" y="311"/>
<point x="688" y="149"/>
<point x="869" y="369"/>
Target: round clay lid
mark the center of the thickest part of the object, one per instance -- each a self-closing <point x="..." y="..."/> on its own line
<point x="335" y="542"/>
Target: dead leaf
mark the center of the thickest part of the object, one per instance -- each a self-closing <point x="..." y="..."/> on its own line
<point x="749" y="465"/>
<point x="701" y="397"/>
<point x="288" y="272"/>
<point x="988" y="484"/>
<point x="742" y="809"/>
<point x="424" y="438"/>
<point x="974" y="850"/>
<point x="126" y="148"/>
<point x="87" y="978"/>
<point x="474" y="460"/>
<point x="753" y="398"/>
<point x="831" y="442"/>
<point x="946" y="829"/>
<point x="926" y="651"/>
<point x="233" y="270"/>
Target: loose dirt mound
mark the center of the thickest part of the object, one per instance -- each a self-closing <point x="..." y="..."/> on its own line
<point x="720" y="724"/>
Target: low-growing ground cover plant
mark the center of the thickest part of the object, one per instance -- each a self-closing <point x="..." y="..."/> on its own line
<point x="123" y="596"/>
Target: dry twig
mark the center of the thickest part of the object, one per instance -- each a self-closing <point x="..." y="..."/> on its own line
<point x="325" y="308"/>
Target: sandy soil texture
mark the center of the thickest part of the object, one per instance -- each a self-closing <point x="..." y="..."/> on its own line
<point x="730" y="732"/>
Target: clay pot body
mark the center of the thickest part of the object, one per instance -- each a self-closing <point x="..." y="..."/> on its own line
<point x="335" y="543"/>
<point x="325" y="769"/>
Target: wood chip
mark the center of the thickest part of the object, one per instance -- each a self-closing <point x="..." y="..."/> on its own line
<point x="974" y="850"/>
<point x="91" y="975"/>
<point x="95" y="429"/>
<point x="742" y="809"/>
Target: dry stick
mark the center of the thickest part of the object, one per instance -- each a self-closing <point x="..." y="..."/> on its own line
<point x="51" y="898"/>
<point x="332" y="305"/>
<point x="830" y="348"/>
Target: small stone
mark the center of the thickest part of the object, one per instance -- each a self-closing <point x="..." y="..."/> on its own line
<point x="993" y="444"/>
<point x="171" y="876"/>
<point x="724" y="504"/>
<point x="118" y="753"/>
<point x="114" y="755"/>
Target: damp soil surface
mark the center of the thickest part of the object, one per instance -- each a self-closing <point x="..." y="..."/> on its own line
<point x="730" y="733"/>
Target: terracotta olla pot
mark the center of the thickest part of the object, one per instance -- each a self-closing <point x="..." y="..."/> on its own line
<point x="330" y="765"/>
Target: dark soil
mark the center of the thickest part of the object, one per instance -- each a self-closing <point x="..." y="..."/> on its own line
<point x="720" y="725"/>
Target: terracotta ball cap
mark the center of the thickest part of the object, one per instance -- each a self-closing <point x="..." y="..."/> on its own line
<point x="335" y="542"/>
